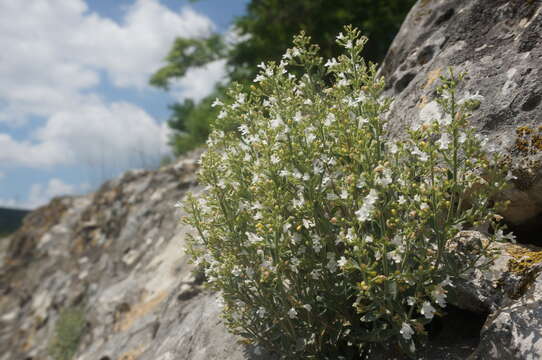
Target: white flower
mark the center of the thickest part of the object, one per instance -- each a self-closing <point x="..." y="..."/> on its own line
<point x="341" y="36"/>
<point x="350" y="235"/>
<point x="298" y="117"/>
<point x="236" y="271"/>
<point x="276" y="122"/>
<point x="287" y="284"/>
<point x="447" y="282"/>
<point x="330" y="118"/>
<point x="444" y="141"/>
<point x="427" y="310"/>
<point x="462" y="138"/>
<point x="471" y="97"/>
<point x="331" y="62"/>
<point x="243" y="129"/>
<point x="261" y="312"/>
<point x="363" y="213"/>
<point x="317" y="244"/>
<point x="395" y="256"/>
<point x="499" y="236"/>
<point x="286" y="227"/>
<point x="275" y="159"/>
<point x="348" y="44"/>
<point x="394" y="148"/>
<point x="406" y="331"/>
<point x="331" y="264"/>
<point x="342" y="261"/>
<point x="423" y="156"/>
<point x="297" y="203"/>
<point x="386" y="179"/>
<point x="372" y="197"/>
<point x="510" y="176"/>
<point x="259" y="78"/>
<point x="308" y="224"/>
<point x="439" y="295"/>
<point x="217" y="102"/>
<point x="253" y="238"/>
<point x="308" y="307"/>
<point x="241" y="98"/>
<point x="292" y="313"/>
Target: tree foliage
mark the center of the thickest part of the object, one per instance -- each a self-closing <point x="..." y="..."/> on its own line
<point x="272" y="24"/>
<point x="266" y="30"/>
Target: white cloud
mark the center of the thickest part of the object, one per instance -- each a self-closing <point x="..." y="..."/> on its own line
<point x="200" y="82"/>
<point x="116" y="135"/>
<point x="55" y="53"/>
<point x="40" y="194"/>
<point x="58" y="47"/>
<point x="133" y="50"/>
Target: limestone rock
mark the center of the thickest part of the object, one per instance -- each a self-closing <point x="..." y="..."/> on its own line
<point x="499" y="45"/>
<point x="119" y="254"/>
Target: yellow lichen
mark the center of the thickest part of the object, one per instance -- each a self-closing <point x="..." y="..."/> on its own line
<point x="432" y="76"/>
<point x="523" y="263"/>
<point x="528" y="140"/>
<point x="522" y="259"/>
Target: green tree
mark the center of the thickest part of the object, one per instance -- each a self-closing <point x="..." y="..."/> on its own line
<point x="267" y="28"/>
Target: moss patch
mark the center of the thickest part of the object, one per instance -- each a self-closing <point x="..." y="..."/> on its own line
<point x="68" y="331"/>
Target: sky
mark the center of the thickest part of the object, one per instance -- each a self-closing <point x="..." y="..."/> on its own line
<point x="75" y="105"/>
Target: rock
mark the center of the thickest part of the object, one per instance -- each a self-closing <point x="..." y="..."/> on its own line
<point x="498" y="45"/>
<point x="119" y="253"/>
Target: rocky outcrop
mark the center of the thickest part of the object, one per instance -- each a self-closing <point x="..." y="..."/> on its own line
<point x="498" y="43"/>
<point x="118" y="253"/>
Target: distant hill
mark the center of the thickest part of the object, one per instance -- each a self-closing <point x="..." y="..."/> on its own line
<point x="11" y="220"/>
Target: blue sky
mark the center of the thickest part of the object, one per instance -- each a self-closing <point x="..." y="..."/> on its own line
<point x="75" y="106"/>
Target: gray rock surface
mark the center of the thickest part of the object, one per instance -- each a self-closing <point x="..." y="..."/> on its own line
<point x="119" y="253"/>
<point x="499" y="44"/>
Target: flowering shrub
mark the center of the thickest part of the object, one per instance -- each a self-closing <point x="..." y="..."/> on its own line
<point x="324" y="237"/>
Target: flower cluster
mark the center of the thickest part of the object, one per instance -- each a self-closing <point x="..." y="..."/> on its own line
<point x="324" y="237"/>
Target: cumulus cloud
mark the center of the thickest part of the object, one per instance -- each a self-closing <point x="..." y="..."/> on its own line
<point x="200" y="82"/>
<point x="58" y="47"/>
<point x="112" y="134"/>
<point x="40" y="194"/>
<point x="55" y="54"/>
